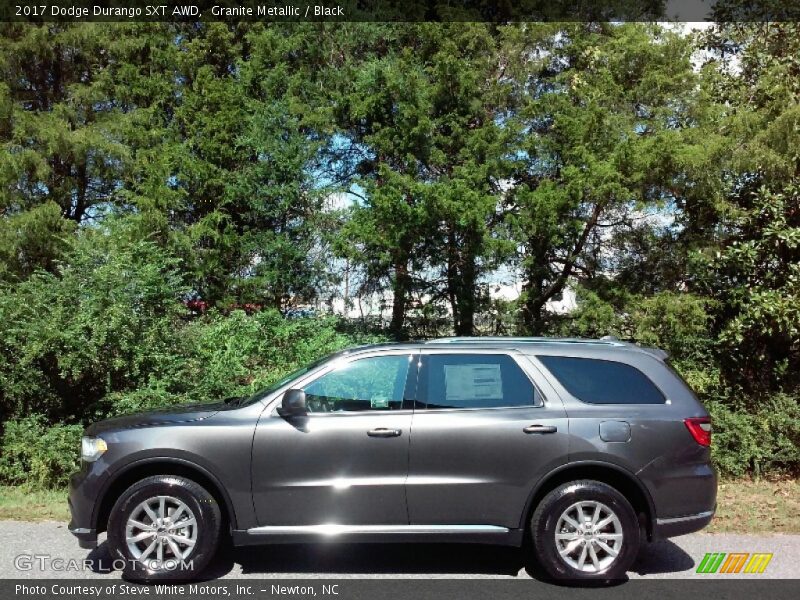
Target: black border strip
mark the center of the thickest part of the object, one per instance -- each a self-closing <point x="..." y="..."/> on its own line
<point x="496" y="11"/>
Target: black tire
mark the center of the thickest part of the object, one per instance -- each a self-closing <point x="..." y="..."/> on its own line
<point x="545" y="520"/>
<point x="197" y="499"/>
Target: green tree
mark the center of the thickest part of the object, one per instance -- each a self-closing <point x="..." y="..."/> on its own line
<point x="471" y="100"/>
<point x="231" y="186"/>
<point x="750" y="264"/>
<point x="33" y="239"/>
<point x="58" y="121"/>
<point x="601" y="111"/>
<point x="61" y="157"/>
<point x="422" y="118"/>
<point x="383" y="113"/>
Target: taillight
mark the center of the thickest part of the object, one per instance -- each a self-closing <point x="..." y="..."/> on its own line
<point x="700" y="428"/>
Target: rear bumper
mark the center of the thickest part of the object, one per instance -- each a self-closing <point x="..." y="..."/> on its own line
<point x="684" y="494"/>
<point x="666" y="528"/>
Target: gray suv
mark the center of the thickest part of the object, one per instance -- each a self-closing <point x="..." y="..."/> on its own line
<point x="578" y="450"/>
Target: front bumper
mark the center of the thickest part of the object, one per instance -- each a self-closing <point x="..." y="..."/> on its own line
<point x="87" y="538"/>
<point x="84" y="493"/>
<point x="672" y="527"/>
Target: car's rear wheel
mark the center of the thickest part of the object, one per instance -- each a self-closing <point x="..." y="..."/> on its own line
<point x="585" y="531"/>
<point x="164" y="528"/>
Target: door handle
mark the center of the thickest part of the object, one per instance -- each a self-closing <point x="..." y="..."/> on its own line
<point x="383" y="432"/>
<point x="540" y="429"/>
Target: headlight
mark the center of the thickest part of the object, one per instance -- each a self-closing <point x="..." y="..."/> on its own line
<point x="92" y="448"/>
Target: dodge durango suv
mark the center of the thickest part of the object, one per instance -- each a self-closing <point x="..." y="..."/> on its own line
<point x="577" y="450"/>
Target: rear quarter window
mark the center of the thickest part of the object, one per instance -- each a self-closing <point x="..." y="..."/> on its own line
<point x="597" y="381"/>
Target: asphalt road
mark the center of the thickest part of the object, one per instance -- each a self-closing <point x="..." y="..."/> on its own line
<point x="671" y="559"/>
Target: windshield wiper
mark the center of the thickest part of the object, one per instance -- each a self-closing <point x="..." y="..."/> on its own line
<point x="234" y="400"/>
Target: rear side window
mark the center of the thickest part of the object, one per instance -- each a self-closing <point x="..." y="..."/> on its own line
<point x="474" y="381"/>
<point x="603" y="381"/>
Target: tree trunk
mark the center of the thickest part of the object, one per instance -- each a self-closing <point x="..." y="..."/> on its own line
<point x="533" y="306"/>
<point x="452" y="276"/>
<point x="466" y="321"/>
<point x="461" y="282"/>
<point x="538" y="292"/>
<point x="466" y="312"/>
<point x="400" y="289"/>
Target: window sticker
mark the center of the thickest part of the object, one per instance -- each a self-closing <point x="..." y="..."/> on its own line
<point x="379" y="402"/>
<point x="473" y="382"/>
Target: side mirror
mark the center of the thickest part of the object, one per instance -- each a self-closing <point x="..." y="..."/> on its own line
<point x="293" y="403"/>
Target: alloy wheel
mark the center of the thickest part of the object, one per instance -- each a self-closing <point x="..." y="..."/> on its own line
<point x="589" y="536"/>
<point x="161" y="530"/>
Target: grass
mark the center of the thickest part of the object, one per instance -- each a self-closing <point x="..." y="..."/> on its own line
<point x="22" y="504"/>
<point x="743" y="506"/>
<point x="749" y="506"/>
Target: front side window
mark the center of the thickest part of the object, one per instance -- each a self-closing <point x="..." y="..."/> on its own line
<point x="603" y="381"/>
<point x="474" y="381"/>
<point x="375" y="383"/>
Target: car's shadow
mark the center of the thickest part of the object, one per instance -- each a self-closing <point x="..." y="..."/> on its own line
<point x="364" y="559"/>
<point x="99" y="560"/>
<point x="663" y="556"/>
<point x="446" y="559"/>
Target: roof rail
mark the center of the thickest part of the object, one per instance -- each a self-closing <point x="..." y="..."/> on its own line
<point x="525" y="340"/>
<point x="604" y="341"/>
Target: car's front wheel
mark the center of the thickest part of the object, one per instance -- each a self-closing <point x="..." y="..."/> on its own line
<point x="164" y="527"/>
<point x="585" y="531"/>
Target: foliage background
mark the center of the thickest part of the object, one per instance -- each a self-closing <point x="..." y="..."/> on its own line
<point x="170" y="193"/>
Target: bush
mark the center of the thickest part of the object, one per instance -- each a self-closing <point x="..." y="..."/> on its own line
<point x="594" y="317"/>
<point x="107" y="333"/>
<point x="106" y="322"/>
<point x="237" y="354"/>
<point x="755" y="432"/>
<point x="216" y="357"/>
<point x="756" y="443"/>
<point x="224" y="356"/>
<point x="39" y="455"/>
<point x="675" y="322"/>
<point x="137" y="400"/>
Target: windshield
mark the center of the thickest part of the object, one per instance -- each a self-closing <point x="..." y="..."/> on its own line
<point x="264" y="392"/>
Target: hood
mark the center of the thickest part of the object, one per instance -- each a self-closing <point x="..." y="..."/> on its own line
<point x="162" y="416"/>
